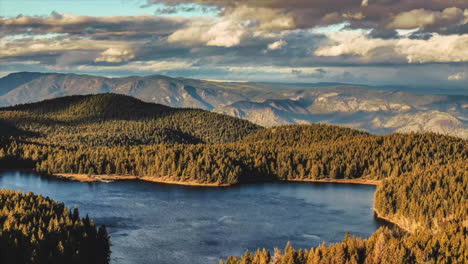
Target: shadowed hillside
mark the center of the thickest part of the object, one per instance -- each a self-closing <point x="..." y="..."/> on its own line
<point x="111" y="119"/>
<point x="92" y="107"/>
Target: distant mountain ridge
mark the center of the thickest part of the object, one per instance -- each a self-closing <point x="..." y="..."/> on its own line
<point x="377" y="111"/>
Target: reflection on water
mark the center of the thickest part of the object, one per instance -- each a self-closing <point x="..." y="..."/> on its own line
<point x="168" y="224"/>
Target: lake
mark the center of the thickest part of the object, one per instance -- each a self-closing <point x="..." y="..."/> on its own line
<point x="170" y="224"/>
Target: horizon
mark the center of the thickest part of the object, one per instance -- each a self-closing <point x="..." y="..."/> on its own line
<point x="426" y="90"/>
<point x="362" y="42"/>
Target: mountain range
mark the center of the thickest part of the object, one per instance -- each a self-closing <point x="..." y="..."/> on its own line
<point x="368" y="108"/>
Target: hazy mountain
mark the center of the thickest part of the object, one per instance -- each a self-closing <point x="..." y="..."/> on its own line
<point x="266" y="104"/>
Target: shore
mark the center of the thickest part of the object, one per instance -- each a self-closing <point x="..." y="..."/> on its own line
<point x="111" y="178"/>
<point x="353" y="181"/>
<point x="391" y="221"/>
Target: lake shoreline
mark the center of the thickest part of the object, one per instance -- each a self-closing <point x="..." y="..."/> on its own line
<point x="162" y="180"/>
<point x="391" y="221"/>
<point x="349" y="181"/>
<point x="111" y="178"/>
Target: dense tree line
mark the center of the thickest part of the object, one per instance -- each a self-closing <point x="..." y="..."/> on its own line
<point x="433" y="200"/>
<point x="35" y="229"/>
<point x="299" y="136"/>
<point x="358" y="156"/>
<point x="427" y="198"/>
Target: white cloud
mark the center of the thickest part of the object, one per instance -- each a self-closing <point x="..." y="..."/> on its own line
<point x="116" y="54"/>
<point x="350" y="43"/>
<point x="22" y="47"/>
<point x="223" y="33"/>
<point x="232" y="28"/>
<point x="439" y="48"/>
<point x="277" y="45"/>
<point x="458" y="76"/>
<point x="261" y="18"/>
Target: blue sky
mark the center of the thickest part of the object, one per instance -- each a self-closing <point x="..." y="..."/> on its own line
<point x="12" y="8"/>
<point x="422" y="43"/>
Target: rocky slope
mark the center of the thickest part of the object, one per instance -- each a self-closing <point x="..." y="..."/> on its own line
<point x="366" y="108"/>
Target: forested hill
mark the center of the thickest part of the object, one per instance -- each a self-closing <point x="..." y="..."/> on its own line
<point x="145" y="148"/>
<point x="94" y="107"/>
<point x="112" y="119"/>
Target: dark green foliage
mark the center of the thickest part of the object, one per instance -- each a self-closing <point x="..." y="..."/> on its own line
<point x="36" y="229"/>
<point x="130" y="147"/>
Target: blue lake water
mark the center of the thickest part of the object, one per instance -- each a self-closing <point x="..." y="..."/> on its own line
<point x="169" y="224"/>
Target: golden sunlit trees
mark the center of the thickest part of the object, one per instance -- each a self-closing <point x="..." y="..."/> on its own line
<point x="35" y="229"/>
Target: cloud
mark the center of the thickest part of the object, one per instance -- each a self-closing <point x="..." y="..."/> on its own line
<point x="90" y="26"/>
<point x="142" y="66"/>
<point x="317" y="73"/>
<point x="22" y="47"/>
<point x="458" y="76"/>
<point x="70" y="39"/>
<point x="234" y="26"/>
<point x="273" y="69"/>
<point x="384" y="33"/>
<point x="277" y="45"/>
<point x="226" y="33"/>
<point x="311" y="13"/>
<point x="356" y="16"/>
<point x="258" y="40"/>
<point x="116" y="55"/>
<point x="438" y="48"/>
<point x="422" y="18"/>
<point x="171" y="10"/>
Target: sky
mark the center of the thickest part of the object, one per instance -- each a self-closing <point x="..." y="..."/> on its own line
<point x="421" y="43"/>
